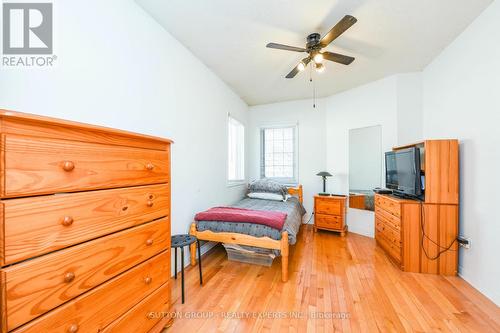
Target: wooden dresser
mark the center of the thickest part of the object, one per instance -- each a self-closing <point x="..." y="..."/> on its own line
<point x="85" y="227"/>
<point x="396" y="223"/>
<point x="413" y="233"/>
<point x="329" y="213"/>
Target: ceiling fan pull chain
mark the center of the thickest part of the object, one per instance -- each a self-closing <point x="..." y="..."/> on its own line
<point x="313" y="86"/>
<point x="314" y="95"/>
<point x="310" y="74"/>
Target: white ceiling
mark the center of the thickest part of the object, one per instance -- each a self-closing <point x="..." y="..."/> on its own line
<point x="391" y="36"/>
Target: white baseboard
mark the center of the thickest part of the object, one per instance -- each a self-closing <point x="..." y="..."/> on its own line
<point x="207" y="247"/>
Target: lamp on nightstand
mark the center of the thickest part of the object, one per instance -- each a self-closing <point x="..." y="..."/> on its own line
<point x="324" y="174"/>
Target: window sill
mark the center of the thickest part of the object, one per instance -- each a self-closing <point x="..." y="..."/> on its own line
<point x="234" y="183"/>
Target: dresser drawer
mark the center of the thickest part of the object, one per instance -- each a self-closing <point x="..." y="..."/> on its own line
<point x="38" y="225"/>
<point x="96" y="309"/>
<point x="145" y="315"/>
<point x="391" y="220"/>
<point x="383" y="238"/>
<point x="44" y="166"/>
<point x="325" y="206"/>
<point x="328" y="221"/>
<point x="393" y="251"/>
<point x="391" y="206"/>
<point x="36" y="286"/>
<point x="391" y="234"/>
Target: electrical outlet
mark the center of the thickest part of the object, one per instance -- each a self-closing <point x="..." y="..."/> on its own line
<point x="464" y="242"/>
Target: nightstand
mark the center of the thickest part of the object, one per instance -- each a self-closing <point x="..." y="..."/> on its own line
<point x="329" y="213"/>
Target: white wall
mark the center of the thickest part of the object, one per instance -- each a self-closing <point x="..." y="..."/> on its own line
<point x="461" y="100"/>
<point x="117" y="67"/>
<point x="410" y="119"/>
<point x="311" y="134"/>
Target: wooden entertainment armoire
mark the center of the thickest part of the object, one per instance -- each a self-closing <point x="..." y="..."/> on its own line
<point x="421" y="236"/>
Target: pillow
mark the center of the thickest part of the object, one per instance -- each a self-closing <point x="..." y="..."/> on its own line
<point x="268" y="186"/>
<point x="266" y="196"/>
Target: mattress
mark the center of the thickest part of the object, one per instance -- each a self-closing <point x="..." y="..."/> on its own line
<point x="292" y="207"/>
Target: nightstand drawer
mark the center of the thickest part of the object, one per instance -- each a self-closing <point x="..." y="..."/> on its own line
<point x="329" y="221"/>
<point x="330" y="207"/>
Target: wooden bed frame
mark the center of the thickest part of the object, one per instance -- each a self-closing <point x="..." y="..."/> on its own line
<point x="243" y="239"/>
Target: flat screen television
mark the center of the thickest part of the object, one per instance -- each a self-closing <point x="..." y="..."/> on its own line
<point x="402" y="172"/>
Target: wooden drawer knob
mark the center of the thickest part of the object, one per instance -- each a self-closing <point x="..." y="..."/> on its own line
<point x="149" y="242"/>
<point x="68" y="166"/>
<point x="148" y="280"/>
<point x="150" y="166"/>
<point x="67" y="221"/>
<point x="73" y="328"/>
<point x="69" y="277"/>
<point x="150" y="203"/>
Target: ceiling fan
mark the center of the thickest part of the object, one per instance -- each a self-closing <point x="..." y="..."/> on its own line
<point x="315" y="44"/>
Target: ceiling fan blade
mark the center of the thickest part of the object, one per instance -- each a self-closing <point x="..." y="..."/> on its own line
<point x="285" y="47"/>
<point x="340" y="58"/>
<point x="295" y="70"/>
<point x="345" y="23"/>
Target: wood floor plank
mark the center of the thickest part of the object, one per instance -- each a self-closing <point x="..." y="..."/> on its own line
<point x="336" y="284"/>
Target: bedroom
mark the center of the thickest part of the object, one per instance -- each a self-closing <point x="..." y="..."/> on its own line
<point x="422" y="71"/>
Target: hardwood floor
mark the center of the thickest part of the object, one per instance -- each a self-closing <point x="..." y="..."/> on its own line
<point x="349" y="280"/>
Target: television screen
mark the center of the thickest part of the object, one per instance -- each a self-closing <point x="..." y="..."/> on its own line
<point x="403" y="171"/>
<point x="391" y="171"/>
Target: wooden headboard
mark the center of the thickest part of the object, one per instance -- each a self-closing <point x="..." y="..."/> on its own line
<point x="297" y="191"/>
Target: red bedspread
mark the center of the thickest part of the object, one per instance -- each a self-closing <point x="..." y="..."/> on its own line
<point x="271" y="219"/>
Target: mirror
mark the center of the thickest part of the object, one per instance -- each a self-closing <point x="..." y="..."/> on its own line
<point x="365" y="166"/>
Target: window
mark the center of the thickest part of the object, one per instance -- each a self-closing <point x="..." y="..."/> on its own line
<point x="235" y="151"/>
<point x="279" y="154"/>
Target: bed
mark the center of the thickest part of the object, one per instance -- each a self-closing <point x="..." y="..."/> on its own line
<point x="247" y="234"/>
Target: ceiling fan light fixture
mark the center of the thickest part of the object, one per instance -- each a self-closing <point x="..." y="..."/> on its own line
<point x="318" y="58"/>
<point x="320" y="68"/>
<point x="301" y="66"/>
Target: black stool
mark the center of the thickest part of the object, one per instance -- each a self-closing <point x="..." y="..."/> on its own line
<point x="181" y="241"/>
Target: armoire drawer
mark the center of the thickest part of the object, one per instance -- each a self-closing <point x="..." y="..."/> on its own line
<point x="144" y="315"/>
<point x="39" y="225"/>
<point x="390" y="233"/>
<point x="393" y="221"/>
<point x="394" y="250"/>
<point x="391" y="206"/>
<point x="36" y="286"/>
<point x="35" y="166"/>
<point x="96" y="309"/>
